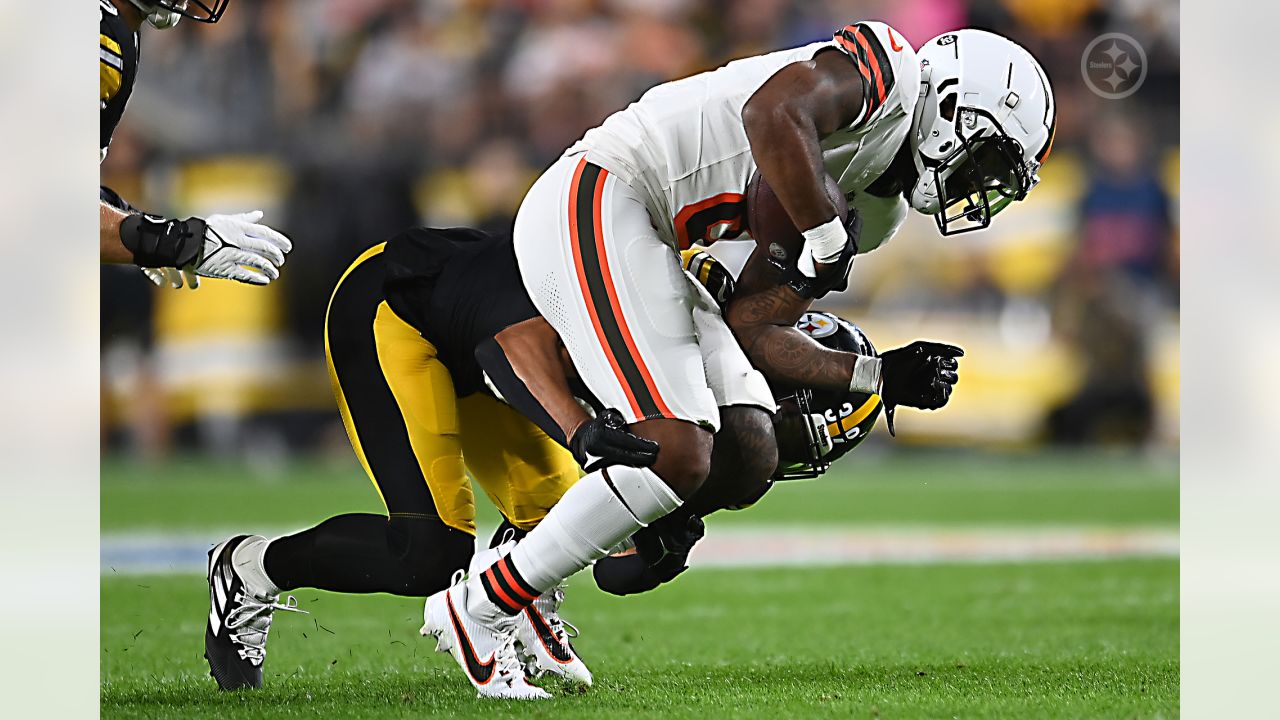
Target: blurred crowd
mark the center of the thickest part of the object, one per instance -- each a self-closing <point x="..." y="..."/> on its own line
<point x="380" y="114"/>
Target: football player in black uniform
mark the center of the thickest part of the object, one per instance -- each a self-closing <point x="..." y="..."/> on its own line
<point x="170" y="251"/>
<point x="424" y="334"/>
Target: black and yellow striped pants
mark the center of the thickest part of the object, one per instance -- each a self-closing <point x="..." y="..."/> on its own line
<point x="414" y="437"/>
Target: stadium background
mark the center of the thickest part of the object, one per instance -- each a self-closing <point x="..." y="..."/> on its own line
<point x="346" y="120"/>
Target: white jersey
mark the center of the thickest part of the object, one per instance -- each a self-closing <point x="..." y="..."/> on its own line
<point x="684" y="147"/>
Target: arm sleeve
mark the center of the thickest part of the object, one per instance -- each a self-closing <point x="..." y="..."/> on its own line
<point x="863" y="44"/>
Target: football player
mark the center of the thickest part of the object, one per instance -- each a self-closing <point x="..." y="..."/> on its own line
<point x="170" y="251"/>
<point x="958" y="133"/>
<point x="423" y="334"/>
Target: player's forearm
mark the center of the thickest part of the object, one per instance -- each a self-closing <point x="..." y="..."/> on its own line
<point x="532" y="349"/>
<point x="790" y="358"/>
<point x="111" y="247"/>
<point x="785" y="145"/>
<point x="764" y="322"/>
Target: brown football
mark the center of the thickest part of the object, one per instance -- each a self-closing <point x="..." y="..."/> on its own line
<point x="769" y="223"/>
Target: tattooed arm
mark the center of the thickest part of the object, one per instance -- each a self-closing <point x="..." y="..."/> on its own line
<point x="762" y="315"/>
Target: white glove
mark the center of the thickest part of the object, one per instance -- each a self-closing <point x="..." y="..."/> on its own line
<point x="236" y="247"/>
<point x="173" y="277"/>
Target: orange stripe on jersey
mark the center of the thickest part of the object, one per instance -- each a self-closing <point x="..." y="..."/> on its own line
<point x="875" y="65"/>
<point x="598" y="214"/>
<point x="574" y="242"/>
<point x="867" y="53"/>
<point x="731" y="218"/>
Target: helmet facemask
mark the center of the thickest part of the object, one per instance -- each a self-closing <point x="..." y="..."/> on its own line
<point x="980" y="175"/>
<point x="803" y="440"/>
<point x="164" y="14"/>
<point x="983" y="124"/>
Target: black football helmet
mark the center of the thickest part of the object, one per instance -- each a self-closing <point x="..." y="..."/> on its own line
<point x="818" y="427"/>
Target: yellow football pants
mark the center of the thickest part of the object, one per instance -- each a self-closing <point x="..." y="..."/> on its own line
<point x="415" y="439"/>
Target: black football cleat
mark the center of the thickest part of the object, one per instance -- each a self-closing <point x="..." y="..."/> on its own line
<point x="235" y="638"/>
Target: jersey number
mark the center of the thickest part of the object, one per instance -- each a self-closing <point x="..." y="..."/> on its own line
<point x="720" y="217"/>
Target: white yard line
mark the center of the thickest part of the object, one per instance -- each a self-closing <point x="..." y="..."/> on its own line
<point x="764" y="546"/>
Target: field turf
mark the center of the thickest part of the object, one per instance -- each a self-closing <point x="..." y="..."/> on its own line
<point x="1079" y="639"/>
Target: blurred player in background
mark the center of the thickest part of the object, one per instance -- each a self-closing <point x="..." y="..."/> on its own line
<point x="596" y="238"/>
<point x="170" y="251"/>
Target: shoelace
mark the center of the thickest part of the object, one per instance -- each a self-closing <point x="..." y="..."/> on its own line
<point x="254" y="614"/>
<point x="506" y="660"/>
<point x="563" y="629"/>
<point x="505" y="657"/>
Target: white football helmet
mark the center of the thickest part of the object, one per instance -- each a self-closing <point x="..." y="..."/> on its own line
<point x="164" y="14"/>
<point x="983" y="124"/>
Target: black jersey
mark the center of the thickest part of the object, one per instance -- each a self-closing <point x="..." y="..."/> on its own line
<point x="117" y="70"/>
<point x="457" y="287"/>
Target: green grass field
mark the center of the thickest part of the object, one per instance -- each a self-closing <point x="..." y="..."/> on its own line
<point x="1078" y="639"/>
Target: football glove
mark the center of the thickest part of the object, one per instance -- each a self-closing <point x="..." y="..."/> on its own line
<point x="920" y="375"/>
<point x="235" y="247"/>
<point x="709" y="271"/>
<point x="662" y="553"/>
<point x="604" y="440"/>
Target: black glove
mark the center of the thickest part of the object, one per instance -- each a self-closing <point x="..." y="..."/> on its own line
<point x="662" y="553"/>
<point x="835" y="277"/>
<point x="919" y="375"/>
<point x="604" y="440"/>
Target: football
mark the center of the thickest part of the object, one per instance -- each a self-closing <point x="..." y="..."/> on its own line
<point x="769" y="223"/>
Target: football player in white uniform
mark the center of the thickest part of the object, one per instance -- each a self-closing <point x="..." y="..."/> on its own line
<point x="170" y="251"/>
<point x="597" y="235"/>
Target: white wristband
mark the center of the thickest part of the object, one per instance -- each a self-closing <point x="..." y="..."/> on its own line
<point x="866" y="375"/>
<point x="826" y="241"/>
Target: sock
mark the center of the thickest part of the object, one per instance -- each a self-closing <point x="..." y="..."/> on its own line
<point x="506" y="532"/>
<point x="248" y="564"/>
<point x="408" y="555"/>
<point x="598" y="512"/>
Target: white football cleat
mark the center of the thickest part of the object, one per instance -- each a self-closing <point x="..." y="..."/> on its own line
<point x="542" y="635"/>
<point x="485" y="651"/>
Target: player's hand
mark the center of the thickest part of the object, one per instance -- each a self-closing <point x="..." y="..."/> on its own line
<point x="172" y="277"/>
<point x="604" y="440"/>
<point x="920" y="375"/>
<point x="238" y="247"/>
<point x="662" y="553"/>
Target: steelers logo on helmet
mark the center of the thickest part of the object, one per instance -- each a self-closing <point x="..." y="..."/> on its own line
<point x="817" y="324"/>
